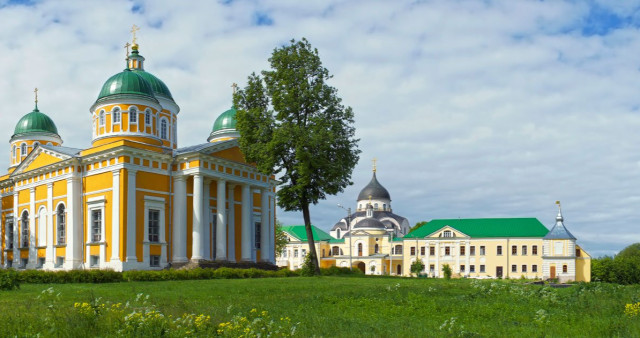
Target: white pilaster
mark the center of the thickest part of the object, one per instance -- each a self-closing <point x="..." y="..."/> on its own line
<point x="49" y="261"/>
<point x="437" y="265"/>
<point x="179" y="241"/>
<point x="16" y="234"/>
<point x="131" y="217"/>
<point x="221" y="225"/>
<point x="75" y="228"/>
<point x="231" y="225"/>
<point x="115" y="221"/>
<point x="196" y="243"/>
<point x="246" y="223"/>
<point x="265" y="246"/>
<point x="206" y="219"/>
<point x="33" y="252"/>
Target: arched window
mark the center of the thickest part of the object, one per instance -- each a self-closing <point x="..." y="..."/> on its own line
<point x="42" y="227"/>
<point x="447" y="233"/>
<point x="375" y="206"/>
<point x="338" y="233"/>
<point x="116" y="115"/>
<point x="23" y="150"/>
<point x="13" y="152"/>
<point x="24" y="237"/>
<point x="335" y="251"/>
<point x="376" y="248"/>
<point x="147" y="117"/>
<point x="384" y="206"/>
<point x="133" y="115"/>
<point x="399" y="270"/>
<point x="564" y="268"/>
<point x="163" y="129"/>
<point x="62" y="222"/>
<point x="101" y="118"/>
<point x="359" y="249"/>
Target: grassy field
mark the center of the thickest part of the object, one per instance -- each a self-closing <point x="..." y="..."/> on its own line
<point x="332" y="306"/>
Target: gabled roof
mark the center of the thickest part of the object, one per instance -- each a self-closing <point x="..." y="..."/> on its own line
<point x="299" y="232"/>
<point x="62" y="153"/>
<point x="485" y="227"/>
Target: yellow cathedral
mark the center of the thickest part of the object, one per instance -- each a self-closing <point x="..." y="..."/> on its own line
<point x="134" y="199"/>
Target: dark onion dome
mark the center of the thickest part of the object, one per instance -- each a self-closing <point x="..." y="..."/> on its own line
<point x="157" y="86"/>
<point x="35" y="122"/>
<point x="374" y="190"/>
<point x="226" y="120"/>
<point x="126" y="83"/>
<point x="370" y="223"/>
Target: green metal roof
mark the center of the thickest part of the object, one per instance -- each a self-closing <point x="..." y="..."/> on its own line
<point x="485" y="227"/>
<point x="157" y="86"/>
<point x="126" y="82"/>
<point x="298" y="231"/>
<point x="35" y="122"/>
<point x="336" y="241"/>
<point x="226" y="120"/>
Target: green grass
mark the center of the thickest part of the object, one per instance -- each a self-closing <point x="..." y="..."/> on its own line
<point x="346" y="306"/>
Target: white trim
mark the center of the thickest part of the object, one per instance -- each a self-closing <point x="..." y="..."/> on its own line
<point x="154" y="203"/>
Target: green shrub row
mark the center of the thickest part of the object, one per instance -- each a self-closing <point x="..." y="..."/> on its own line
<point x="10" y="279"/>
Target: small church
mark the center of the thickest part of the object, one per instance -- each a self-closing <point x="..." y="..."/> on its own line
<point x="135" y="199"/>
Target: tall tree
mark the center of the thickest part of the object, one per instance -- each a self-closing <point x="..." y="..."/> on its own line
<point x="280" y="239"/>
<point x="293" y="125"/>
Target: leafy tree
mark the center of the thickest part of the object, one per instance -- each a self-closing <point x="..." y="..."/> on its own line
<point x="281" y="239"/>
<point x="418" y="225"/>
<point x="624" y="268"/>
<point x="632" y="250"/>
<point x="417" y="266"/>
<point x="294" y="125"/>
<point x="446" y="269"/>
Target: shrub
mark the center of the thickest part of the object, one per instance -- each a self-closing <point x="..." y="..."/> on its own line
<point x="9" y="280"/>
<point x="307" y="267"/>
<point x="417" y="267"/>
<point x="446" y="269"/>
<point x="72" y="276"/>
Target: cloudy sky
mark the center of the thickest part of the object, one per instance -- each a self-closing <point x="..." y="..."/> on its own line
<point x="472" y="108"/>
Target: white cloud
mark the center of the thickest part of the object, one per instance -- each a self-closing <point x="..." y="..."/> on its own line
<point x="474" y="109"/>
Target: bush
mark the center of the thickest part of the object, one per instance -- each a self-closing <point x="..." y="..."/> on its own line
<point x="446" y="269"/>
<point x="9" y="280"/>
<point x="72" y="276"/>
<point x="417" y="267"/>
<point x="307" y="269"/>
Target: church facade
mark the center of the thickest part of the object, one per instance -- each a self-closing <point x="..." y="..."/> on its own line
<point x="378" y="241"/>
<point x="134" y="199"/>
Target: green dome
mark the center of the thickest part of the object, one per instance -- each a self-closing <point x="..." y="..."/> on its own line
<point x="226" y="120"/>
<point x="35" y="122"/>
<point x="126" y="82"/>
<point x="157" y="86"/>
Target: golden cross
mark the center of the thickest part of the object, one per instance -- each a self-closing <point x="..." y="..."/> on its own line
<point x="36" y="91"/>
<point x="559" y="207"/>
<point x="127" y="47"/>
<point x="134" y="29"/>
<point x="235" y="87"/>
<point x="374" y="164"/>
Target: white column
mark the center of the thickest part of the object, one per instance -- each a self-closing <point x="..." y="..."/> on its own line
<point x="437" y="265"/>
<point x="131" y="217"/>
<point x="206" y="219"/>
<point x="16" y="234"/>
<point x="246" y="223"/>
<point x="51" y="228"/>
<point x="231" y="225"/>
<point x="265" y="246"/>
<point x="115" y="220"/>
<point x="458" y="256"/>
<point x="272" y="226"/>
<point x="75" y="228"/>
<point x="221" y="225"/>
<point x="467" y="256"/>
<point x="33" y="252"/>
<point x="179" y="240"/>
<point x="196" y="233"/>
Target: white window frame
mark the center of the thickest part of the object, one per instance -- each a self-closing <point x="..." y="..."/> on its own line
<point x="9" y="228"/>
<point x="101" y="118"/>
<point x="64" y="215"/>
<point x="256" y="235"/>
<point x="133" y="115"/>
<point x="41" y="229"/>
<point x="147" y="117"/>
<point x="164" y="133"/>
<point x="155" y="203"/>
<point x="24" y="227"/>
<point x="23" y="150"/>
<point x="558" y="248"/>
<point x="13" y="152"/>
<point x="96" y="204"/>
<point x="116" y="112"/>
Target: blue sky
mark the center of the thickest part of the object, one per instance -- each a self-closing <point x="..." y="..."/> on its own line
<point x="473" y="109"/>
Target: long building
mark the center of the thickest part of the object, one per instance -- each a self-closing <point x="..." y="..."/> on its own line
<point x="134" y="199"/>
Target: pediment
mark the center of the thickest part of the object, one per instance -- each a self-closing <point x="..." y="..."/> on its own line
<point x="441" y="233"/>
<point x="38" y="158"/>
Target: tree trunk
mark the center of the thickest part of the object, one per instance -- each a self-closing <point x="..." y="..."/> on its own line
<point x="310" y="240"/>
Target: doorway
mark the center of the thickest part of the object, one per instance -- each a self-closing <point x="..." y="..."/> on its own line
<point x="499" y="271"/>
<point x="361" y="267"/>
<point x="399" y="270"/>
<point x="553" y="272"/>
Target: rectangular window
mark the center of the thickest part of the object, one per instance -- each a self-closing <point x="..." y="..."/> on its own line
<point x="61" y="226"/>
<point x="147" y="118"/>
<point x="514" y="250"/>
<point x="59" y="261"/>
<point x="564" y="268"/>
<point x="116" y="117"/>
<point x="154" y="261"/>
<point x="463" y="250"/>
<point x="534" y="268"/>
<point x="9" y="264"/>
<point x="94" y="261"/>
<point x="413" y="251"/>
<point x="154" y="226"/>
<point x="514" y="268"/>
<point x="10" y="236"/>
<point x="524" y="250"/>
<point x="534" y="250"/>
<point x="303" y="253"/>
<point x="578" y="253"/>
<point x="462" y="268"/>
<point x="432" y="251"/>
<point x="472" y="268"/>
<point x="258" y="231"/>
<point x="422" y="251"/>
<point x="295" y="253"/>
<point x="499" y="250"/>
<point x="133" y="116"/>
<point x="524" y="268"/>
<point x="482" y="250"/>
<point x="481" y="268"/>
<point x="25" y="233"/>
<point x="558" y="248"/>
<point x="447" y="251"/>
<point x="432" y="268"/>
<point x="472" y="250"/>
<point x="96" y="225"/>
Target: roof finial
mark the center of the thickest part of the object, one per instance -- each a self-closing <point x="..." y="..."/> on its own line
<point x="134" y="29"/>
<point x="559" y="217"/>
<point x="36" y="92"/>
<point x="374" y="164"/>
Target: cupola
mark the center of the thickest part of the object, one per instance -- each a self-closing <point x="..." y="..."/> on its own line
<point x="375" y="194"/>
